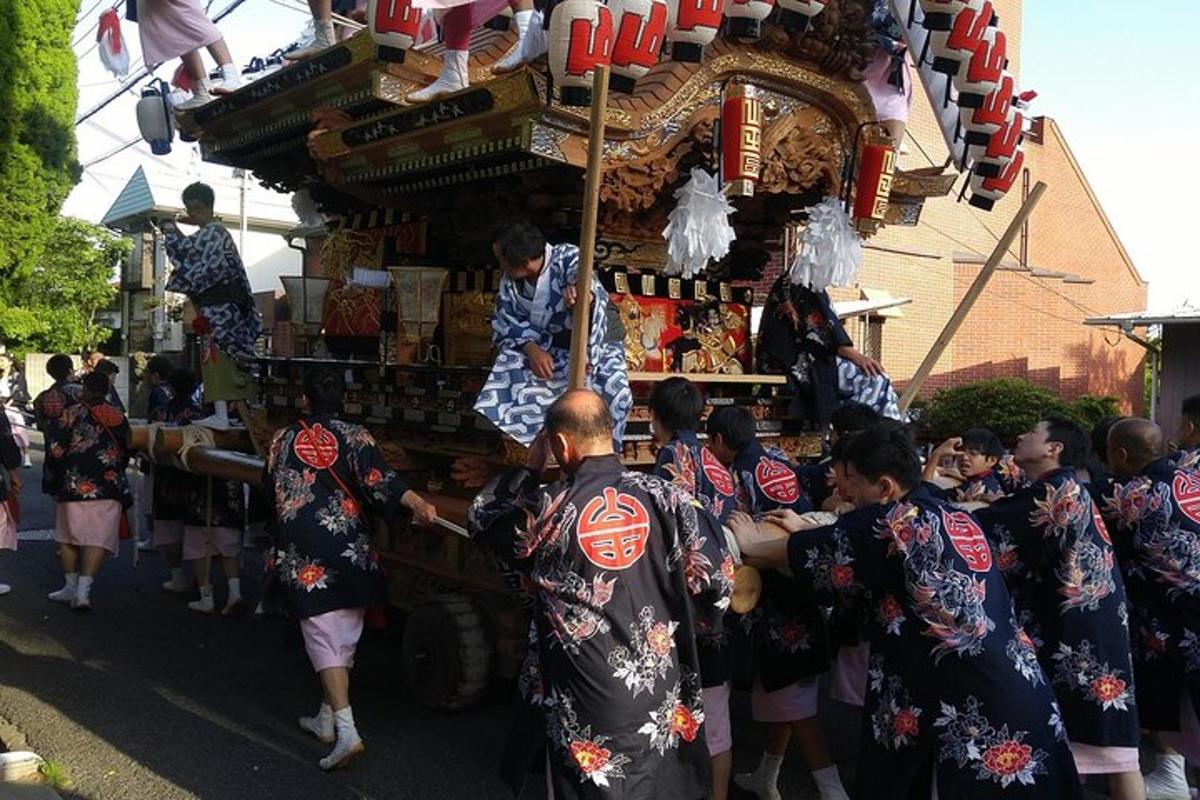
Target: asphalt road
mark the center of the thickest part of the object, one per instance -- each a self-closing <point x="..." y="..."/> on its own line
<point x="144" y="700"/>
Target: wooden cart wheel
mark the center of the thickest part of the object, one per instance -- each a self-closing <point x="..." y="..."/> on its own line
<point x="447" y="653"/>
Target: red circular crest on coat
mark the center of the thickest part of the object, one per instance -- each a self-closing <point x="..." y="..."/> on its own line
<point x="716" y="473"/>
<point x="316" y="447"/>
<point x="777" y="481"/>
<point x="613" y="530"/>
<point x="1100" y="526"/>
<point x="967" y="538"/>
<point x="107" y="415"/>
<point x="1186" y="488"/>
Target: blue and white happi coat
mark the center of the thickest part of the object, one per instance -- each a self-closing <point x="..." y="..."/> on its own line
<point x="513" y="399"/>
<point x="207" y="265"/>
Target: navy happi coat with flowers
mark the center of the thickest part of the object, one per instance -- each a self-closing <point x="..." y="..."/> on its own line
<point x="323" y="523"/>
<point x="1058" y="561"/>
<point x="953" y="682"/>
<point x="48" y="408"/>
<point x="1155" y="520"/>
<point x="196" y="500"/>
<point x="791" y="639"/>
<point x="89" y="451"/>
<point x="979" y="488"/>
<point x="1010" y="474"/>
<point x="627" y="570"/>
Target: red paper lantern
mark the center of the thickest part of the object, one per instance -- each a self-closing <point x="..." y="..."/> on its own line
<point x="797" y="15"/>
<point x="394" y="27"/>
<point x="952" y="47"/>
<point x="741" y="139"/>
<point x="873" y="188"/>
<point x="986" y="191"/>
<point x="581" y="37"/>
<point x="939" y="14"/>
<point x="980" y="123"/>
<point x="641" y="26"/>
<point x="744" y="18"/>
<point x="691" y="26"/>
<point x="983" y="72"/>
<point x="1002" y="147"/>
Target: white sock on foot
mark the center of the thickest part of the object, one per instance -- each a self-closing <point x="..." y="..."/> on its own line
<point x="1168" y="780"/>
<point x="235" y="589"/>
<point x="349" y="743"/>
<point x="205" y="604"/>
<point x="231" y="76"/>
<point x="763" y="782"/>
<point x="83" y="593"/>
<point x="321" y="725"/>
<point x="829" y="783"/>
<point x="68" y="590"/>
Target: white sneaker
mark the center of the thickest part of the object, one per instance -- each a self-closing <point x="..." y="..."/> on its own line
<point x="454" y="78"/>
<point x="1168" y="780"/>
<point x="231" y="80"/>
<point x="64" y="595"/>
<point x="204" y="605"/>
<point x="176" y="587"/>
<point x="201" y="96"/>
<point x="320" y="726"/>
<point x="752" y="783"/>
<point x="530" y="43"/>
<point x="323" y="37"/>
<point x="342" y="754"/>
<point x="5" y="589"/>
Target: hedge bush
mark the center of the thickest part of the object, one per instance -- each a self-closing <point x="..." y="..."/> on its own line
<point x="1007" y="406"/>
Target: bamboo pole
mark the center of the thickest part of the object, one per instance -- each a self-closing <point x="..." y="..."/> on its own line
<point x="577" y="369"/>
<point x="968" y="302"/>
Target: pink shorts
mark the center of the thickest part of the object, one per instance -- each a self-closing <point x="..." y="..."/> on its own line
<point x="718" y="731"/>
<point x="1187" y="739"/>
<point x="789" y="704"/>
<point x="199" y="542"/>
<point x="8" y="529"/>
<point x="332" y="637"/>
<point x="89" y="523"/>
<point x="848" y="683"/>
<point x="1093" y="760"/>
<point x="167" y="532"/>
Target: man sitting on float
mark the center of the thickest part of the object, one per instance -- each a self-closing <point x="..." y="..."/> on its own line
<point x="531" y="329"/>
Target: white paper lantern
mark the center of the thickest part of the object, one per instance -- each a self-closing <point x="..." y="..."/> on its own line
<point x="154" y="118"/>
<point x="691" y="26"/>
<point x="1002" y="147"/>
<point x="640" y="27"/>
<point x="797" y="15"/>
<point x="938" y="15"/>
<point x="581" y="37"/>
<point x="395" y="25"/>
<point x="950" y="48"/>
<point x="980" y="76"/>
<point x="979" y="124"/>
<point x="744" y="18"/>
<point x="985" y="191"/>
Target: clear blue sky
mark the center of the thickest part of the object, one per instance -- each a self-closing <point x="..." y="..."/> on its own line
<point x="1120" y="79"/>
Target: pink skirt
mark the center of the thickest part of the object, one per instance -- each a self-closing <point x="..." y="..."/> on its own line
<point x="89" y="523"/>
<point x="718" y="731"/>
<point x="170" y="28"/>
<point x="200" y="542"/>
<point x="167" y="532"/>
<point x="1093" y="760"/>
<point x="848" y="683"/>
<point x="789" y="704"/>
<point x="331" y="638"/>
<point x="8" y="529"/>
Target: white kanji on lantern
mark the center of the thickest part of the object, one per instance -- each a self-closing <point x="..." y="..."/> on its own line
<point x="980" y="76"/>
<point x="797" y="15"/>
<point x="691" y="26"/>
<point x="745" y="17"/>
<point x="581" y="38"/>
<point x="985" y="191"/>
<point x="952" y="47"/>
<point x="639" y="26"/>
<point x="394" y="23"/>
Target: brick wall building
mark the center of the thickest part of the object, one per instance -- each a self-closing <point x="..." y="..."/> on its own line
<point x="1024" y="325"/>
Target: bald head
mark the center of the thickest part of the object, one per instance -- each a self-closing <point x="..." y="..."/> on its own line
<point x="1132" y="444"/>
<point x="582" y="415"/>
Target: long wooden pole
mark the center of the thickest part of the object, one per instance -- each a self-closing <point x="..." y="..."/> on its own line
<point x="577" y="370"/>
<point x="972" y="295"/>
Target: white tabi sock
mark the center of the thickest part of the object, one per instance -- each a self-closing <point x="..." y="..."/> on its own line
<point x="343" y="723"/>
<point x="763" y="782"/>
<point x="349" y="744"/>
<point x="231" y="77"/>
<point x="320" y="726"/>
<point x="68" y="589"/>
<point x="323" y="35"/>
<point x="829" y="783"/>
<point x="768" y="768"/>
<point x="235" y="589"/>
<point x="84" y="589"/>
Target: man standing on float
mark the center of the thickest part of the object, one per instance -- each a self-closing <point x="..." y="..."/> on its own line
<point x="210" y="272"/>
<point x="531" y="329"/>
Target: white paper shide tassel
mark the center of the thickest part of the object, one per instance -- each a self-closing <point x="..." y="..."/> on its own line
<point x="698" y="230"/>
<point x="830" y="250"/>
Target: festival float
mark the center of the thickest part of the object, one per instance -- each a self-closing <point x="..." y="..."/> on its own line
<point x="684" y="144"/>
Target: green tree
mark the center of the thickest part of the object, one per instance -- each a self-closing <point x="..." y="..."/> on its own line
<point x="54" y="307"/>
<point x="38" y="97"/>
<point x="1006" y="406"/>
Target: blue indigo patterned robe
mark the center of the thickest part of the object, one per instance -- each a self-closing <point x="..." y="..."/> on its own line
<point x="1057" y="559"/>
<point x="327" y="483"/>
<point x="513" y="399"/>
<point x="628" y="570"/>
<point x="791" y="640"/>
<point x="953" y="681"/>
<point x="209" y="271"/>
<point x="975" y="489"/>
<point x="1155" y="519"/>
